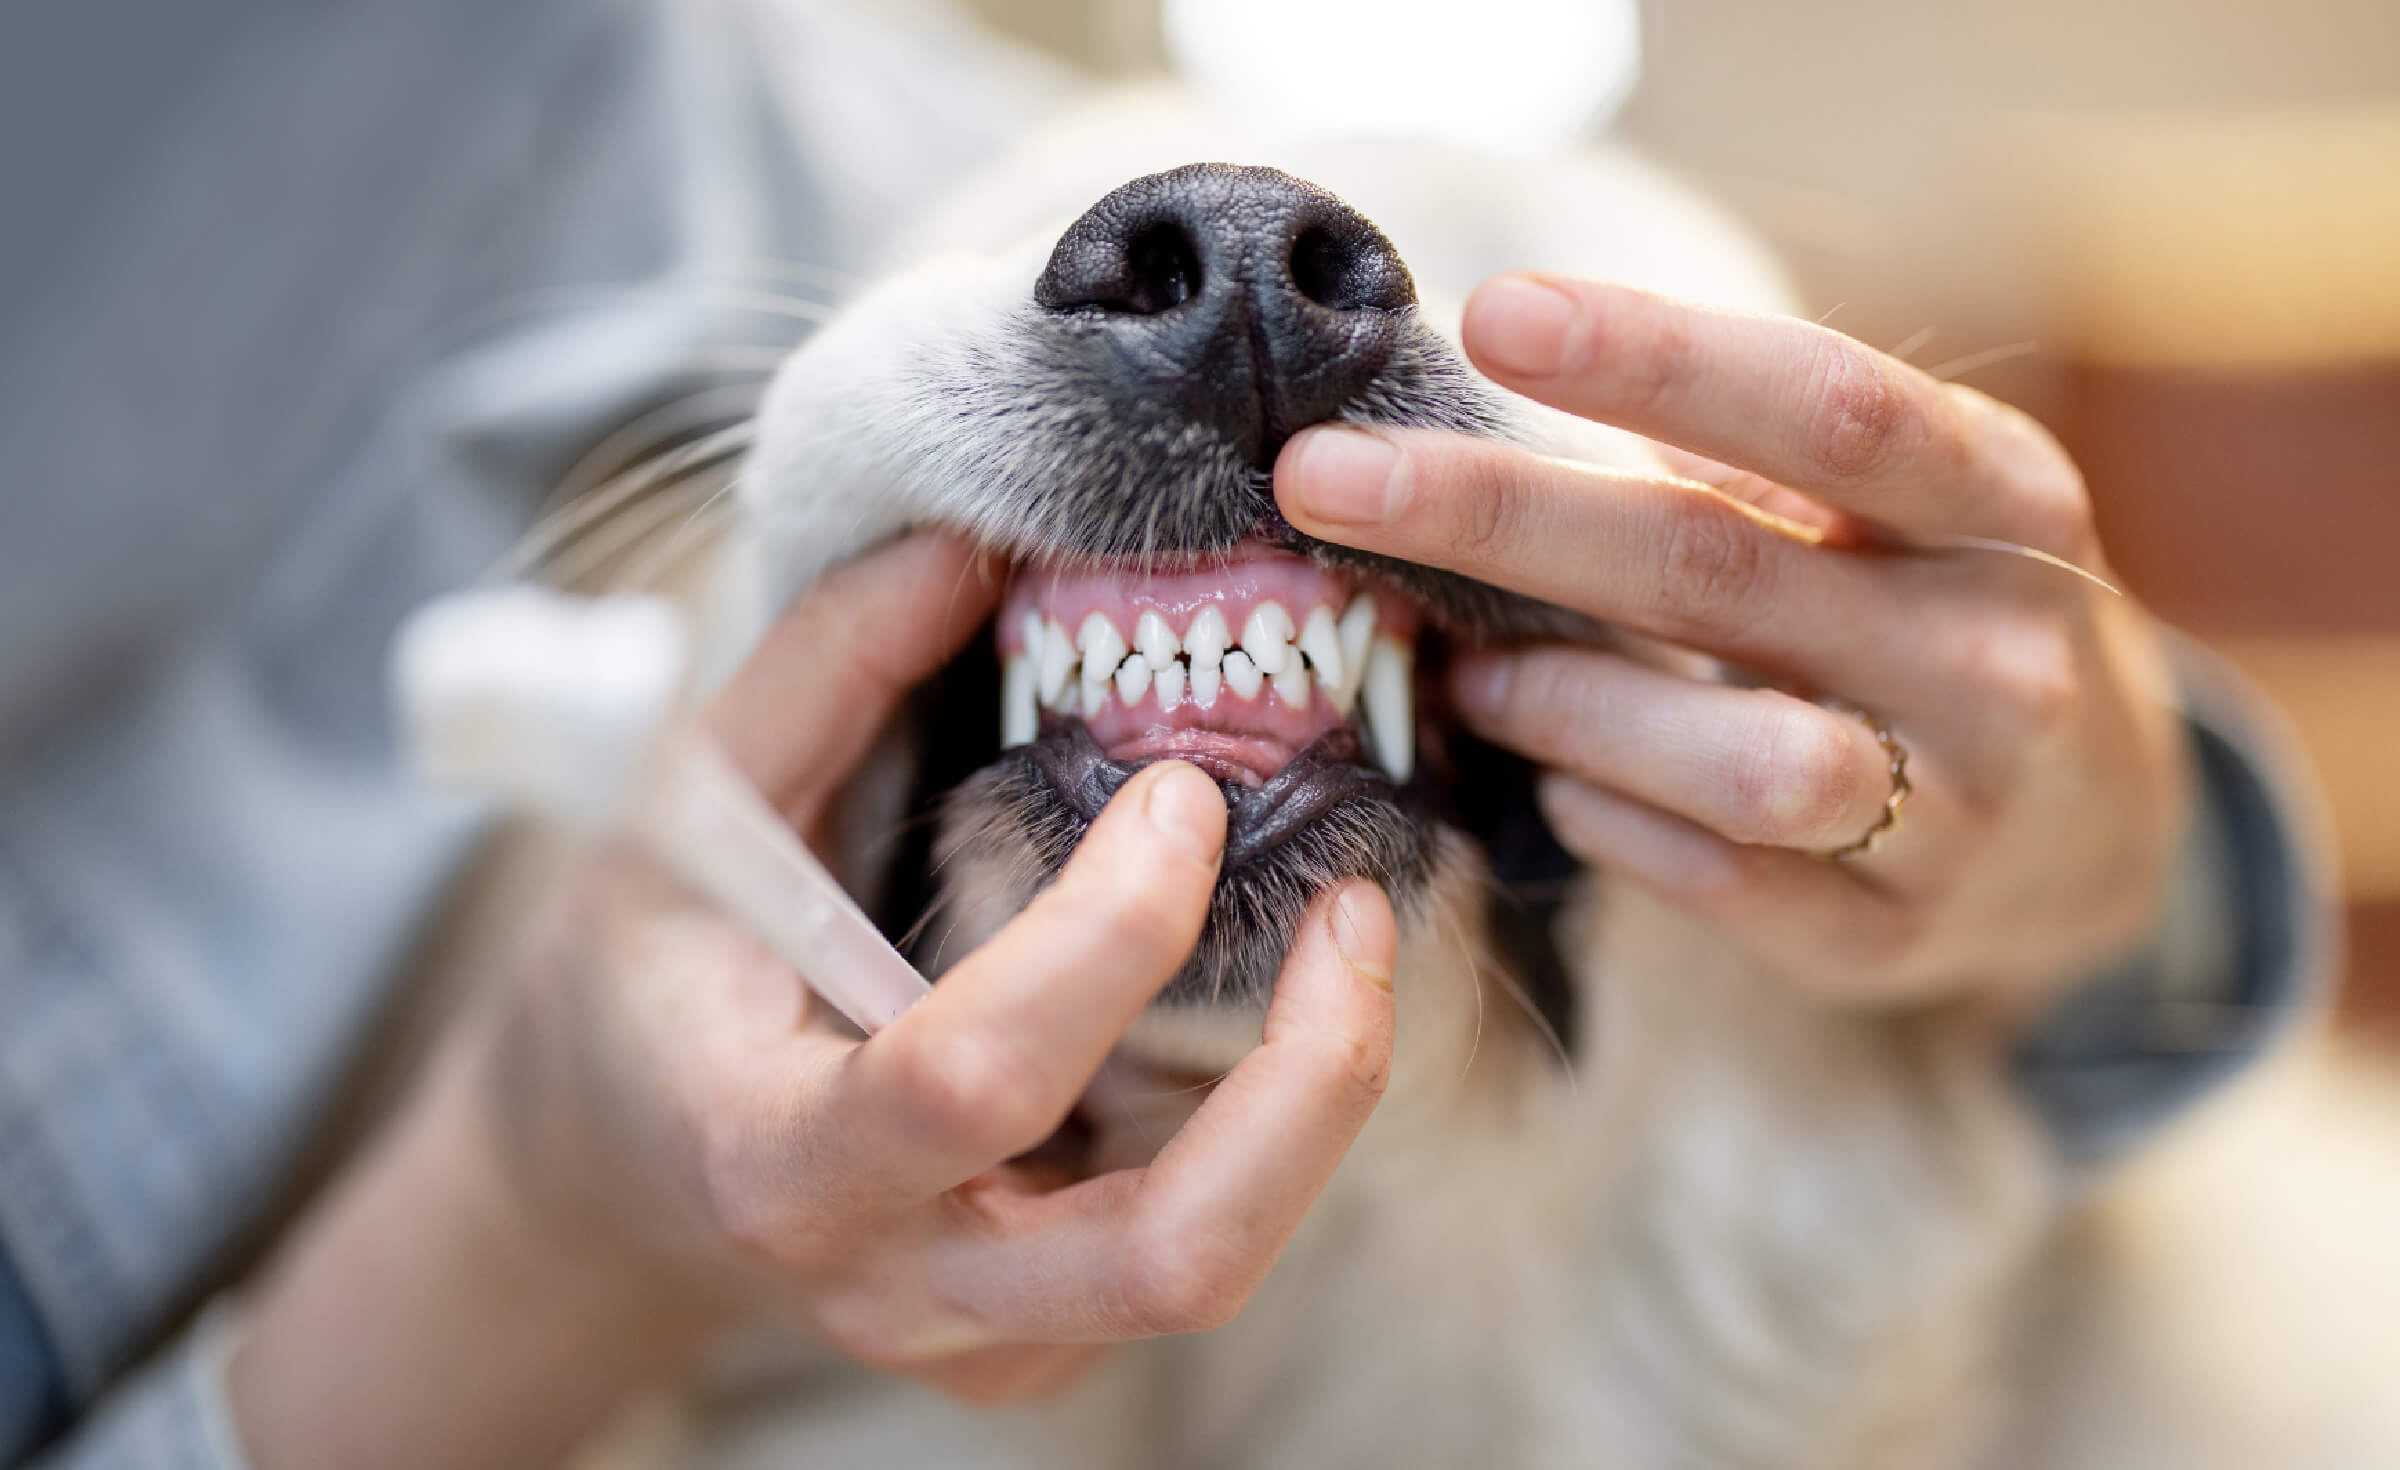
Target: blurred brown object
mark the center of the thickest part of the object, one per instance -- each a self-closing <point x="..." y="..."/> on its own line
<point x="2228" y="300"/>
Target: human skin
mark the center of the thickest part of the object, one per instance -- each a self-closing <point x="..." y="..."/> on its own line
<point x="650" y="1132"/>
<point x="1809" y="535"/>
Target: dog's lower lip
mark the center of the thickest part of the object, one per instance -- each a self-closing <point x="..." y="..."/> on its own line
<point x="1246" y="760"/>
<point x="1258" y="818"/>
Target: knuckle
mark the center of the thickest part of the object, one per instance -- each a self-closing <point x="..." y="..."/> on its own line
<point x="1714" y="570"/>
<point x="1175" y="1285"/>
<point x="1801" y="781"/>
<point x="1863" y="413"/>
<point x="2029" y="667"/>
<point x="966" y="1087"/>
<point x="2058" y="518"/>
<point x="1493" y="507"/>
<point x="1549" y="706"/>
<point x="743" y="1207"/>
<point x="1355" y="1064"/>
<point x="861" y="1325"/>
<point x="2052" y="507"/>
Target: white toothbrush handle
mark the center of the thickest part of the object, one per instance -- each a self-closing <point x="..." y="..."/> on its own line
<point x="715" y="830"/>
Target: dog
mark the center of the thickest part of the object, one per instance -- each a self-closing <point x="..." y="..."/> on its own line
<point x="1627" y="1202"/>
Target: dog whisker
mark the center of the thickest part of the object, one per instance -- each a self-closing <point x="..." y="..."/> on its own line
<point x="1959" y="367"/>
<point x="1912" y="344"/>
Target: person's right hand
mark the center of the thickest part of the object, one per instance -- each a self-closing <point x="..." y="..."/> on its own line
<point x="660" y="1076"/>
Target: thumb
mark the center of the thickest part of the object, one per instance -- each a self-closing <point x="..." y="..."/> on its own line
<point x="798" y="716"/>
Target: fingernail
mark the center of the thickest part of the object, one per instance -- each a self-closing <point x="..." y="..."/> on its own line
<point x="1340" y="475"/>
<point x="1188" y="810"/>
<point x="1522" y="325"/>
<point x="1480" y="684"/>
<point x="1348" y="921"/>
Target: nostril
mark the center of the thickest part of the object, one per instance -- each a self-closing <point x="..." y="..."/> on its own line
<point x="1345" y="273"/>
<point x="1162" y="270"/>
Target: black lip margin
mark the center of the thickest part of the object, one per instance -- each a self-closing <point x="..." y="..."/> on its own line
<point x="1283" y="848"/>
<point x="1258" y="819"/>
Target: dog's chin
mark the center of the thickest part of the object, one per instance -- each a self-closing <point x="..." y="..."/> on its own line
<point x="1326" y="816"/>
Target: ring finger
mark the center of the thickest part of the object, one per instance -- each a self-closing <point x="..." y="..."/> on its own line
<point x="1754" y="766"/>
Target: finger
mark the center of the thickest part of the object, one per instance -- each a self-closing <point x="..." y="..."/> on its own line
<point x="1750" y="765"/>
<point x="1802" y="917"/>
<point x="1665" y="557"/>
<point x="1181" y="1245"/>
<point x="1011" y="1373"/>
<point x="1798" y="403"/>
<point x="988" y="1064"/>
<point x="803" y="709"/>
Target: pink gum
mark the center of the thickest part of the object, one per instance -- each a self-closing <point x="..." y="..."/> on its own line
<point x="1236" y="584"/>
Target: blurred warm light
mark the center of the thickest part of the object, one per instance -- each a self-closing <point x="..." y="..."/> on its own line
<point x="2250" y="239"/>
<point x="1498" y="73"/>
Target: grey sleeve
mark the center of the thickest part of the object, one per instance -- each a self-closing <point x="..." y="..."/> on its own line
<point x="172" y="1415"/>
<point x="2239" y="959"/>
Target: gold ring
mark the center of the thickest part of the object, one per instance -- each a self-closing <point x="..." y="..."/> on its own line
<point x="1897" y="754"/>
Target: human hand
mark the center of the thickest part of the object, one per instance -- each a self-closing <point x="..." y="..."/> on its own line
<point x="2044" y="756"/>
<point x="661" y="1078"/>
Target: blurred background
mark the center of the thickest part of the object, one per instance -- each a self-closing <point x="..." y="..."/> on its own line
<point x="2170" y="228"/>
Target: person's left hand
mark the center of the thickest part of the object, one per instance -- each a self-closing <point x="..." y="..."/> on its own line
<point x="2035" y="708"/>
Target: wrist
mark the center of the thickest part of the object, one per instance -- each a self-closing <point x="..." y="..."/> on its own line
<point x="430" y="1312"/>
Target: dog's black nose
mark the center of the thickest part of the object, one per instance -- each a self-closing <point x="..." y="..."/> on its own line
<point x="1252" y="302"/>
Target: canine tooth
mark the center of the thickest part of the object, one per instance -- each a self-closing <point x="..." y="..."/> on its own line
<point x="1207" y="679"/>
<point x="1207" y="639"/>
<point x="1267" y="638"/>
<point x="1058" y="664"/>
<point x="1291" y="686"/>
<point x="1156" y="640"/>
<point x="1169" y="684"/>
<point x="1020" y="713"/>
<point x="1323" y="645"/>
<point x="1103" y="646"/>
<point x="1133" y="680"/>
<point x="1389" y="695"/>
<point x="1242" y="675"/>
<point x="1095" y="694"/>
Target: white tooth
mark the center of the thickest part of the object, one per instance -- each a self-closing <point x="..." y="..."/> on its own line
<point x="1169" y="684"/>
<point x="1103" y="646"/>
<point x="1020" y="713"/>
<point x="1058" y="664"/>
<point x="1095" y="694"/>
<point x="1390" y="697"/>
<point x="1242" y="675"/>
<point x="1267" y="638"/>
<point x="1291" y="686"/>
<point x="1156" y="641"/>
<point x="1207" y="679"/>
<point x="1358" y="628"/>
<point x="1207" y="639"/>
<point x="1323" y="646"/>
<point x="1133" y="680"/>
